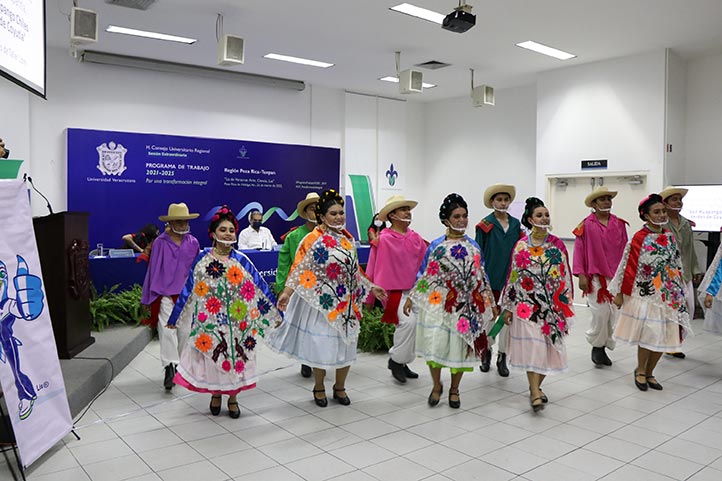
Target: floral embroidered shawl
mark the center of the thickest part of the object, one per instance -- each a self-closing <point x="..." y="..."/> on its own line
<point x="326" y="274"/>
<point x="539" y="286"/>
<point x="229" y="305"/>
<point x="453" y="285"/>
<point x="651" y="270"/>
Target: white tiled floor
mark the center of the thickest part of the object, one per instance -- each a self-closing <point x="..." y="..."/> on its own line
<point x="596" y="426"/>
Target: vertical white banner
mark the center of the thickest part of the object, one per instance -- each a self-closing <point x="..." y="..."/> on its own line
<point x="29" y="367"/>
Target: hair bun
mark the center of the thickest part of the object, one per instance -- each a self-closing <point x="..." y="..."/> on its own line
<point x="451" y="202"/>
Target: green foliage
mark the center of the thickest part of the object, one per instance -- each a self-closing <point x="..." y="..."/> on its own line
<point x="116" y="307"/>
<point x="374" y="335"/>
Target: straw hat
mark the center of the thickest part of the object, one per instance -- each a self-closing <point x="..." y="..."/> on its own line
<point x="393" y="203"/>
<point x="597" y="193"/>
<point x="669" y="191"/>
<point x="311" y="198"/>
<point x="492" y="190"/>
<point x="178" y="212"/>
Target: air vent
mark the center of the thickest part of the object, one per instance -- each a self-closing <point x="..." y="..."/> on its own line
<point x="137" y="4"/>
<point x="432" y="65"/>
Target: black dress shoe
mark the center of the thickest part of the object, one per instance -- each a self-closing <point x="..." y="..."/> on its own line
<point x="343" y="401"/>
<point x="653" y="384"/>
<point x="397" y="371"/>
<point x="215" y="410"/>
<point x="454" y="404"/>
<point x="501" y="365"/>
<point x="433" y="401"/>
<point x="306" y="371"/>
<point x="605" y="359"/>
<point x="678" y="355"/>
<point x="598" y="356"/>
<point x="486" y="361"/>
<point x="169" y="375"/>
<point x="235" y="414"/>
<point x="642" y="386"/>
<point x="409" y="373"/>
<point x="320" y="402"/>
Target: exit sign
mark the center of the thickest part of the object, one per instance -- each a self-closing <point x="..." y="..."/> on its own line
<point x="594" y="164"/>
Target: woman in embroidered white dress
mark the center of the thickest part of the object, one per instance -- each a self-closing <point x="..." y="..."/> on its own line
<point x="454" y="300"/>
<point x="227" y="306"/>
<point x="649" y="290"/>
<point x="710" y="295"/>
<point x="537" y="302"/>
<point x="322" y="300"/>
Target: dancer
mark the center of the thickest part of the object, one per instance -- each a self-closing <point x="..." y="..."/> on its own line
<point x="173" y="253"/>
<point x="496" y="234"/>
<point x="454" y="302"/>
<point x="537" y="302"/>
<point x="225" y="307"/>
<point x="649" y="288"/>
<point x="598" y="248"/>
<point x="399" y="254"/>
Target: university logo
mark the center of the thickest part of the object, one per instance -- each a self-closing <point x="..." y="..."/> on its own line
<point x="242" y="152"/>
<point x="392" y="175"/>
<point x="111" y="158"/>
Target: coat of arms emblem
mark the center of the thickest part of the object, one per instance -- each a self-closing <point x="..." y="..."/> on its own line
<point x="111" y="158"/>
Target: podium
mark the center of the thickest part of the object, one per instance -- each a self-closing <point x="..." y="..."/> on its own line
<point x="62" y="240"/>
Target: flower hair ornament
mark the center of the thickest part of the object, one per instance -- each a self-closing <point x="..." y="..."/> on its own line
<point x="451" y="202"/>
<point x="325" y="201"/>
<point x="223" y="213"/>
<point x="647" y="202"/>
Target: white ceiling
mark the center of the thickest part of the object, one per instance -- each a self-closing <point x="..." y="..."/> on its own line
<point x="360" y="36"/>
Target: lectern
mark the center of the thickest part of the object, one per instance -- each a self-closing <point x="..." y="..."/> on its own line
<point x="62" y="240"/>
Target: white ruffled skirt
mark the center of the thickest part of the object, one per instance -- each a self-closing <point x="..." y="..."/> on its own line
<point x="653" y="327"/>
<point x="436" y="342"/>
<point x="530" y="350"/>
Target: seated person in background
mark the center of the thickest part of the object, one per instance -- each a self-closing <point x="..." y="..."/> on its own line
<point x="142" y="239"/>
<point x="4" y="153"/>
<point x="256" y="236"/>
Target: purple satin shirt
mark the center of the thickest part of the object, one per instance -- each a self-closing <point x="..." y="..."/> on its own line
<point x="169" y="267"/>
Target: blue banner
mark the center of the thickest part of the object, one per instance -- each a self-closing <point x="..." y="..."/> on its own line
<point x="126" y="180"/>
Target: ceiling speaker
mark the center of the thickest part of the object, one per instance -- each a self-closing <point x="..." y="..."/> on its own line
<point x="83" y="26"/>
<point x="482" y="95"/>
<point x="411" y="81"/>
<point x="230" y="50"/>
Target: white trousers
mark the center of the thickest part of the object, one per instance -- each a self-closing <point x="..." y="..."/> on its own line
<point x="689" y="296"/>
<point x="604" y="316"/>
<point x="503" y="338"/>
<point x="404" y="349"/>
<point x="172" y="341"/>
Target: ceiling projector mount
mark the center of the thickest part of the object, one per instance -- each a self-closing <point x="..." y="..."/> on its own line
<point x="460" y="20"/>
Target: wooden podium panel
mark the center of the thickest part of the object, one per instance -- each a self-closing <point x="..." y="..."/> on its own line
<point x="62" y="240"/>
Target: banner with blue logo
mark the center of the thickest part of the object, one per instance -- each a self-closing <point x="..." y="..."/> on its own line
<point x="126" y="180"/>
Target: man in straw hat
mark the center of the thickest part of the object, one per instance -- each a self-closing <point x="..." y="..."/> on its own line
<point x="173" y="253"/>
<point x="682" y="230"/>
<point x="598" y="248"/>
<point x="496" y="234"/>
<point x="399" y="255"/>
<point x="291" y="240"/>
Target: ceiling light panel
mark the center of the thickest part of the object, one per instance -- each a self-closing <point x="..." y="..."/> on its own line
<point x="546" y="50"/>
<point x="418" y="12"/>
<point x="302" y="61"/>
<point x="396" y="80"/>
<point x="147" y="34"/>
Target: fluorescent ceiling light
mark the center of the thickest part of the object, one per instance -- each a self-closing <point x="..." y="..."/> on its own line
<point x="396" y="80"/>
<point x="154" y="35"/>
<point x="419" y="12"/>
<point x="545" y="50"/>
<point x="303" y="61"/>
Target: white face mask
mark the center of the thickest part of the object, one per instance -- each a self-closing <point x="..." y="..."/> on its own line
<point x="224" y="242"/>
<point x="503" y="211"/>
<point x="336" y="227"/>
<point x="542" y="226"/>
<point x="460" y="230"/>
<point x="658" y="224"/>
<point x="604" y="210"/>
<point x="181" y="232"/>
<point x="378" y="223"/>
<point x="408" y="221"/>
<point x="676" y="209"/>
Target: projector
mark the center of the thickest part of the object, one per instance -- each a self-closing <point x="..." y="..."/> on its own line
<point x="460" y="20"/>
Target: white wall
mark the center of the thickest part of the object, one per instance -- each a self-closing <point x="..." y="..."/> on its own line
<point x="676" y="131"/>
<point x="605" y="110"/>
<point x="466" y="149"/>
<point x="704" y="119"/>
<point x="15" y="119"/>
<point x="115" y="98"/>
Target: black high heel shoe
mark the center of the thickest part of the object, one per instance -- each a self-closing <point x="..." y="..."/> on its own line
<point x="454" y="404"/>
<point x="433" y="401"/>
<point x="320" y="402"/>
<point x="642" y="386"/>
<point x="235" y="414"/>
<point x="343" y="401"/>
<point x="215" y="410"/>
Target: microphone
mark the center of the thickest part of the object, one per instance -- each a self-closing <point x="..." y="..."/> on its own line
<point x="29" y="179"/>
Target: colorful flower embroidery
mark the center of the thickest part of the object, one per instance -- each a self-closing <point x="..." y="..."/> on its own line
<point x="243" y="325"/>
<point x="536" y="251"/>
<point x="320" y="255"/>
<point x="202" y="316"/>
<point x="215" y="269"/>
<point x="201" y="289"/>
<point x="523" y="259"/>
<point x="234" y="275"/>
<point x="546" y="329"/>
<point x="326" y="301"/>
<point x="527" y="284"/>
<point x="264" y="306"/>
<point x="422" y="286"/>
<point x="435" y="298"/>
<point x="254" y="314"/>
<point x="249" y="343"/>
<point x="226" y="365"/>
<point x="340" y="290"/>
<point x="329" y="241"/>
<point x="523" y="310"/>
<point x="346" y="244"/>
<point x="433" y="268"/>
<point x="332" y="315"/>
<point x="439" y="253"/>
<point x="248" y="290"/>
<point x="239" y="309"/>
<point x="477" y="260"/>
<point x="554" y="255"/>
<point x="462" y="325"/>
<point x="663" y="240"/>
<point x="458" y="252"/>
<point x="308" y="279"/>
<point x="204" y="343"/>
<point x="213" y="305"/>
<point x="333" y="270"/>
<point x="240" y="365"/>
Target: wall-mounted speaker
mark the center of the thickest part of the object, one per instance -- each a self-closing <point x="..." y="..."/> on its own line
<point x="411" y="81"/>
<point x="482" y="95"/>
<point x="83" y="26"/>
<point x="230" y="50"/>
